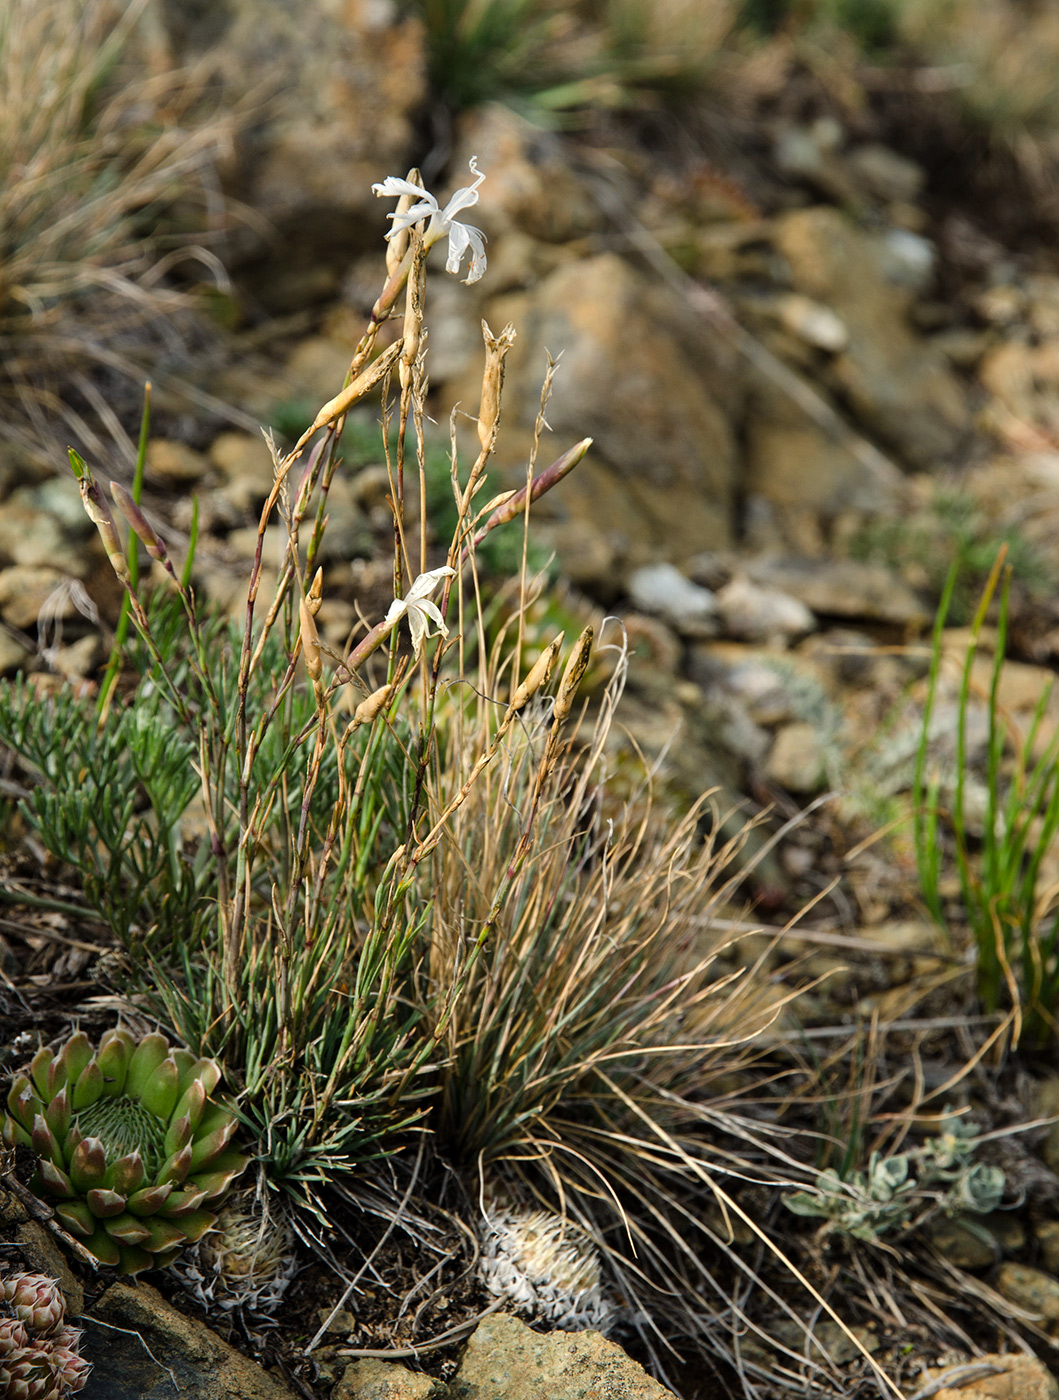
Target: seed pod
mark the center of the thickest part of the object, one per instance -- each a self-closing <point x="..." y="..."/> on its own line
<point x="539" y="674"/>
<point x="310" y="641"/>
<point x="573" y="676"/>
<point x="496" y="349"/>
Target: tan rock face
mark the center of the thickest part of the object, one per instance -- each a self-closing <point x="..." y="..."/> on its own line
<point x="505" y="1358"/>
<point x="335" y="85"/>
<point x="660" y="478"/>
<point x="898" y="385"/>
<point x="998" y="1378"/>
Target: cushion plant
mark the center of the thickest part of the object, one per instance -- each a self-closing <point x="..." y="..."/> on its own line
<point x="130" y="1149"/>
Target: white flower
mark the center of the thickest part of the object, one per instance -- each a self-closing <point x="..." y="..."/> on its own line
<point x="416" y="606"/>
<point x="463" y="238"/>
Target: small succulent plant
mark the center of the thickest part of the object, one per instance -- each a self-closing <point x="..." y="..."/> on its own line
<point x="546" y="1267"/>
<point x="895" y="1192"/>
<point x="39" y="1359"/>
<point x="246" y="1262"/>
<point x="130" y="1149"/>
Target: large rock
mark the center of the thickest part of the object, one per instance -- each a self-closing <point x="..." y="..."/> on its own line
<point x="504" y="1358"/>
<point x="143" y="1349"/>
<point x="994" y="1378"/>
<point x="331" y="89"/>
<point x="639" y="375"/>
<point x="898" y="385"/>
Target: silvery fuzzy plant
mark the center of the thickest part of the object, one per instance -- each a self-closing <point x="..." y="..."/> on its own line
<point x="39" y="1350"/>
<point x="897" y="1192"/>
<point x="300" y="916"/>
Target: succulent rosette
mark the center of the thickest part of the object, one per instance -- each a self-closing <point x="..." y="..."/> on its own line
<point x="39" y="1357"/>
<point x="131" y="1151"/>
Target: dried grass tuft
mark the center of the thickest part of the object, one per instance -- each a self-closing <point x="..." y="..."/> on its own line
<point x="95" y="155"/>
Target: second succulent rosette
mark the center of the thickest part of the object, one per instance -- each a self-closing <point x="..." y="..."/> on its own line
<point x="131" y="1150"/>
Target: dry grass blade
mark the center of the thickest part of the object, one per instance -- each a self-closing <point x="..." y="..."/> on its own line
<point x="92" y="152"/>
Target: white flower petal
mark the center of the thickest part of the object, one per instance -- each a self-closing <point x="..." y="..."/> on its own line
<point x="464" y="238"/>
<point x="425" y="584"/>
<point x="394" y="185"/>
<point x="396" y="611"/>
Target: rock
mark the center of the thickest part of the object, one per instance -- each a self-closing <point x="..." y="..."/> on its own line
<point x="662" y="590"/>
<point x="1032" y="1290"/>
<point x="898" y="385"/>
<point x="842" y="588"/>
<point x="383" y="1380"/>
<point x="812" y="322"/>
<point x="12" y="653"/>
<point x="907" y="259"/>
<point x="61" y="498"/>
<point x="32" y="536"/>
<point x="1047" y="1232"/>
<point x="1047" y="1106"/>
<point x="175" y="462"/>
<point x="1025" y="379"/>
<point x="585" y="554"/>
<point x="639" y="374"/>
<point x="798" y="761"/>
<point x="148" y="1347"/>
<point x="886" y="174"/>
<point x="531" y="188"/>
<point x="246" y="465"/>
<point x="505" y="1358"/>
<point x="316" y="369"/>
<point x="353" y="82"/>
<point x="1012" y="1378"/>
<point x="26" y="590"/>
<point x="752" y="613"/>
<point x="829" y="1341"/>
<point x="962" y="1244"/>
<point x="79" y="659"/>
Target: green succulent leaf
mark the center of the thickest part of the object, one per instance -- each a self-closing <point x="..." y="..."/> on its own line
<point x="44" y="1144"/>
<point x="105" y="1204"/>
<point x="182" y="1203"/>
<point x="197" y="1223"/>
<point x="113" y="1058"/>
<point x="55" y="1181"/>
<point x="106" y="1250"/>
<point x="22" y="1103"/>
<point x="151" y="1199"/>
<point x="88" y="1164"/>
<point x="77" y="1218"/>
<point x="158" y="1094"/>
<point x="206" y="1148"/>
<point x="127" y="1174"/>
<point x="127" y="1229"/>
<point x="179" y="1135"/>
<point x="89" y="1086"/>
<point x="177" y="1167"/>
<point x="164" y="1234"/>
<point x="144" y="1065"/>
<point x="59" y="1114"/>
<point x="75" y="1055"/>
<point x="38" y="1070"/>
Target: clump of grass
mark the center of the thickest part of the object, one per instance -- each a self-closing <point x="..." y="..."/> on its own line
<point x="1003" y="60"/>
<point x="92" y="153"/>
<point x="551" y="58"/>
<point x="952" y="530"/>
<point x="1011" y="913"/>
